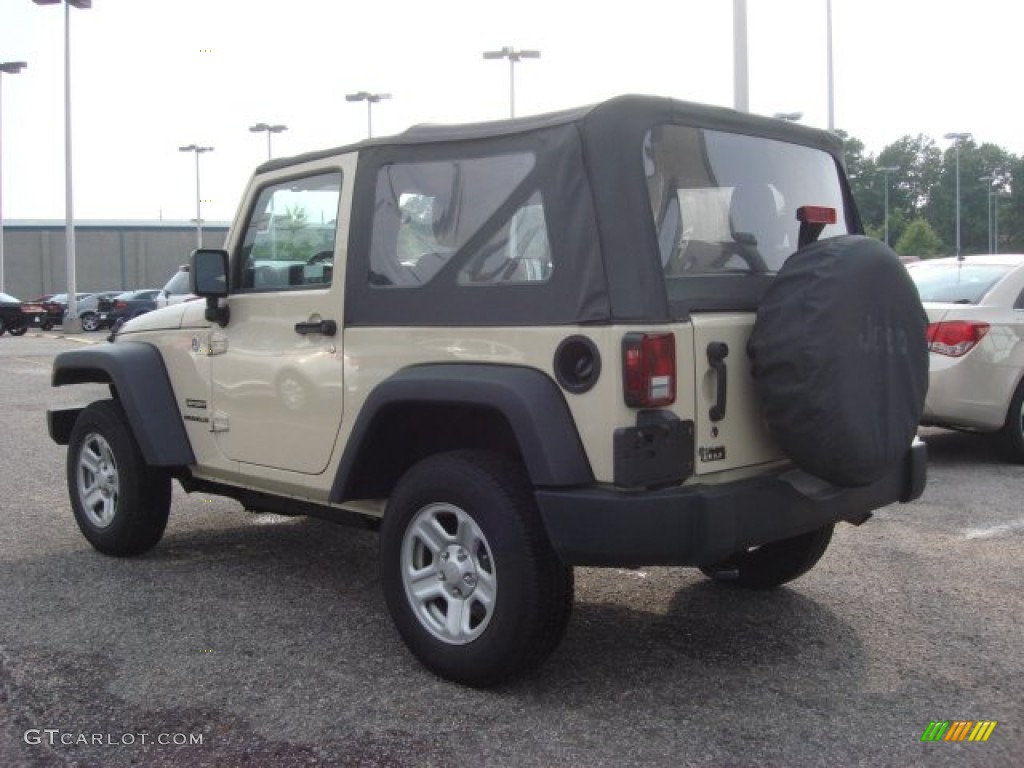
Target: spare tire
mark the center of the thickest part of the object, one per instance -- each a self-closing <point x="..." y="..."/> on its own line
<point x="840" y="359"/>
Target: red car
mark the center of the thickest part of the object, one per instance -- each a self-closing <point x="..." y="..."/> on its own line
<point x="16" y="316"/>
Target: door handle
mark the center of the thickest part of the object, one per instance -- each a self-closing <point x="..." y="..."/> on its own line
<point x="323" y="327"/>
<point x="717" y="352"/>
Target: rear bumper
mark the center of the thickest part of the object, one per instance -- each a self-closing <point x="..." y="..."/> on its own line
<point x="703" y="524"/>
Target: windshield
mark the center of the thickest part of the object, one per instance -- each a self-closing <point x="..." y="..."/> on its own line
<point x="727" y="203"/>
<point x="950" y="283"/>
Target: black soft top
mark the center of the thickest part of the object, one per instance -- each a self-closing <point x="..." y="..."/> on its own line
<point x="592" y="176"/>
<point x="622" y="117"/>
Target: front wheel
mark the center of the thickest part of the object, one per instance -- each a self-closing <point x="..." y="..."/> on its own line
<point x="1012" y="433"/>
<point x="469" y="576"/>
<point x="120" y="503"/>
<point x="772" y="564"/>
<point x="90" y="322"/>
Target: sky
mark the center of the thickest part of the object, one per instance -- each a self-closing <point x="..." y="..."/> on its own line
<point x="149" y="76"/>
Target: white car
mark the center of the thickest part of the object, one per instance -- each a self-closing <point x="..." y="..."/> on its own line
<point x="975" y="312"/>
<point x="177" y="289"/>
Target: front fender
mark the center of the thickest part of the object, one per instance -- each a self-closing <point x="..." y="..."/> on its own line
<point x="138" y="375"/>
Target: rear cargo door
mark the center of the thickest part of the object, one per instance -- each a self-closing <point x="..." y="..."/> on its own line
<point x="729" y="430"/>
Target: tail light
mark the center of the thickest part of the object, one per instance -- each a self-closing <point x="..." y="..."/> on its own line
<point x="955" y="338"/>
<point x="649" y="369"/>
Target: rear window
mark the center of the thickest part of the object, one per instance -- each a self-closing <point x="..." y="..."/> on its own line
<point x="956" y="283"/>
<point x="727" y="203"/>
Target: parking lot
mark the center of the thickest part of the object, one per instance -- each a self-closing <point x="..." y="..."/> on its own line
<point x="261" y="640"/>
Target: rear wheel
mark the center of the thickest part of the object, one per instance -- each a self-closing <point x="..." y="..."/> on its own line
<point x="1012" y="433"/>
<point x="772" y="564"/>
<point x="3" y="326"/>
<point x="120" y="503"/>
<point x="469" y="576"/>
<point x="19" y="330"/>
<point x="47" y="325"/>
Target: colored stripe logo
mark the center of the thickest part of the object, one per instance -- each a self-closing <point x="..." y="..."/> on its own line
<point x="958" y="730"/>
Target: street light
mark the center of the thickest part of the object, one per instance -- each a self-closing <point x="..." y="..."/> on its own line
<point x="260" y="127"/>
<point x="513" y="56"/>
<point x="996" y="197"/>
<point x="990" y="180"/>
<point x="887" y="169"/>
<point x="956" y="138"/>
<point x="740" y="68"/>
<point x="71" y="322"/>
<point x="370" y="99"/>
<point x="830" y="73"/>
<point x="6" y="68"/>
<point x="199" y="218"/>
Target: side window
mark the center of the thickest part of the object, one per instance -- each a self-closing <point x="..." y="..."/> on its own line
<point x="517" y="253"/>
<point x="1019" y="303"/>
<point x="290" y="238"/>
<point x="479" y="211"/>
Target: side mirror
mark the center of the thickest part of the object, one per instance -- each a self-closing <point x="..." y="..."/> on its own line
<point x="209" y="279"/>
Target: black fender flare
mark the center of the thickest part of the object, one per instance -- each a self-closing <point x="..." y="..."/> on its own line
<point x="138" y="374"/>
<point x="529" y="400"/>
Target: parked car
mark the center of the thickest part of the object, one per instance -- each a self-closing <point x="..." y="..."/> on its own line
<point x="15" y="315"/>
<point x="126" y="305"/>
<point x="177" y="289"/>
<point x="643" y="332"/>
<point x="89" y="312"/>
<point x="975" y="312"/>
<point x="56" y="306"/>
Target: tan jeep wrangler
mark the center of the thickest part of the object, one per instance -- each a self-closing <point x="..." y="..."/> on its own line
<point x="643" y="332"/>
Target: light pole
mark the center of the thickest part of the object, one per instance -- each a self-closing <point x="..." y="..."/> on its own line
<point x="886" y="170"/>
<point x="199" y="200"/>
<point x="260" y="127"/>
<point x="370" y="99"/>
<point x="513" y="56"/>
<point x="740" y="68"/>
<point x="997" y="196"/>
<point x="6" y="68"/>
<point x="956" y="138"/>
<point x="989" y="180"/>
<point x="828" y="67"/>
<point x="71" y="322"/>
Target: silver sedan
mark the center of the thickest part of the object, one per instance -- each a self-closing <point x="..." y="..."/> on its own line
<point x="975" y="312"/>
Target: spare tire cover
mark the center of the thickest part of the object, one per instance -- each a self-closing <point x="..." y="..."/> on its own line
<point x="840" y="359"/>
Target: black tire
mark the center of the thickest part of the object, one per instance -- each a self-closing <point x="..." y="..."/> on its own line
<point x="516" y="609"/>
<point x="3" y="326"/>
<point x="1012" y="433"/>
<point x="120" y="504"/>
<point x="840" y="360"/>
<point x="47" y="325"/>
<point x="772" y="564"/>
<point x="90" y="322"/>
<point x="19" y="330"/>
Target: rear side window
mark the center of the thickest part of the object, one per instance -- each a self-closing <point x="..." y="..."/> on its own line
<point x="474" y="209"/>
<point x="956" y="283"/>
<point x="725" y="202"/>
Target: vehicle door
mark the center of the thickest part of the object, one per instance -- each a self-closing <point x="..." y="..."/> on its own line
<point x="277" y="394"/>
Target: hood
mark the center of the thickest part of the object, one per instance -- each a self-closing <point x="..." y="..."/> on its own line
<point x="157" y="320"/>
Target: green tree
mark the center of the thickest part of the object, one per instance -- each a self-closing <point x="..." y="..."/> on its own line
<point x="919" y="239"/>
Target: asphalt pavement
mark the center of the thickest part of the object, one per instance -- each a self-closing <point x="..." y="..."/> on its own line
<point x="260" y="640"/>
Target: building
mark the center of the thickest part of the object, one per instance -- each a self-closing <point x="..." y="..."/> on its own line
<point x="109" y="255"/>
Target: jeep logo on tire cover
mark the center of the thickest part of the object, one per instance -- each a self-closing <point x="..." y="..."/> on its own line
<point x="880" y="337"/>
